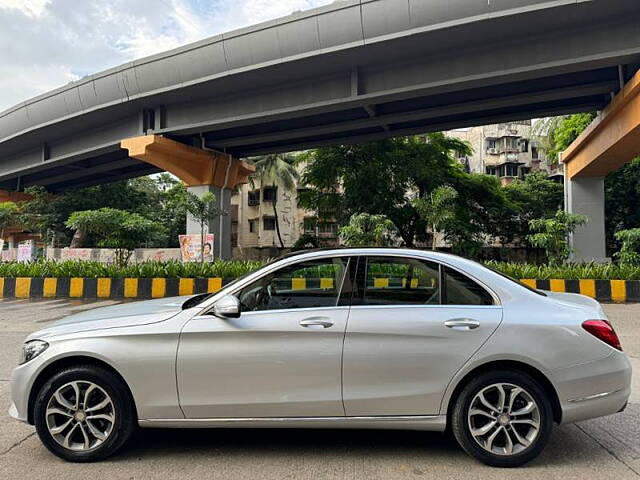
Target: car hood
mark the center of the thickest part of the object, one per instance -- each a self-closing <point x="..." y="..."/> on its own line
<point x="577" y="300"/>
<point x="121" y="315"/>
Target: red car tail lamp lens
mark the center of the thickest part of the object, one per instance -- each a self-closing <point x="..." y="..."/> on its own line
<point x="603" y="330"/>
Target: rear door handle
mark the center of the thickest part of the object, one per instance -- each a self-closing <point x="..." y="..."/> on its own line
<point x="462" y="323"/>
<point x="316" y="322"/>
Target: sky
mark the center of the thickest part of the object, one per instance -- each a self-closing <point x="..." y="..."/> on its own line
<point x="45" y="44"/>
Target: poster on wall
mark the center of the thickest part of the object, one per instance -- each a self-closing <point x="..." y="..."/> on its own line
<point x="26" y="251"/>
<point x="190" y="250"/>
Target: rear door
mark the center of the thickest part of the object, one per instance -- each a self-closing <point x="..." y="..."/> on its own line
<point x="413" y="324"/>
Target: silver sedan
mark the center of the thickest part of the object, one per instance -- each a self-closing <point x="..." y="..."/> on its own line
<point x="345" y="338"/>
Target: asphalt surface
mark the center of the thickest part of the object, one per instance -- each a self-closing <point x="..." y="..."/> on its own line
<point x="607" y="448"/>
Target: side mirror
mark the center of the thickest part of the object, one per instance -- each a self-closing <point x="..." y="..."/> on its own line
<point x="227" y="307"/>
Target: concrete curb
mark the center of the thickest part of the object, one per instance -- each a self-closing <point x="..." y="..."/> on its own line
<point x="145" y="288"/>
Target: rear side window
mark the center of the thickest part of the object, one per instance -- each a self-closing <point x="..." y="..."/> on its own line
<point x="400" y="281"/>
<point x="461" y="290"/>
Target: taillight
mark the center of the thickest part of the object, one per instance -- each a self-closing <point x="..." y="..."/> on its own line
<point x="603" y="330"/>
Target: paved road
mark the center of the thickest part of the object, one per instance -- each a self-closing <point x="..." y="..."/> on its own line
<point x="601" y="449"/>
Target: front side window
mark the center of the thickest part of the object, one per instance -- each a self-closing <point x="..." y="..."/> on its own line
<point x="401" y="281"/>
<point x="310" y="284"/>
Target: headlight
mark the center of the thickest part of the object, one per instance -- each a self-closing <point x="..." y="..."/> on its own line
<point x="31" y="350"/>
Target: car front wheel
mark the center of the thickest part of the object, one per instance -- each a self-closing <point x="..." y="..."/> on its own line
<point x="84" y="414"/>
<point x="502" y="418"/>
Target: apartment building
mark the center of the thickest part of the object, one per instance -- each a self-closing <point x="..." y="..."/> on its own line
<point x="506" y="150"/>
<point x="255" y="225"/>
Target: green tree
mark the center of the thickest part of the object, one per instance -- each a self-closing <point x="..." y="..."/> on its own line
<point x="379" y="177"/>
<point x="629" y="254"/>
<point x="276" y="170"/>
<point x="622" y="197"/>
<point x="552" y="234"/>
<point x="534" y="197"/>
<point x="557" y="133"/>
<point x="365" y="230"/>
<point x="437" y="208"/>
<point x="118" y="229"/>
<point x="204" y="210"/>
<point x="41" y="213"/>
<point x="8" y="216"/>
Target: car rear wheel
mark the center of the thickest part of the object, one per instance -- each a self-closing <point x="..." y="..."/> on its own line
<point x="502" y="418"/>
<point x="84" y="414"/>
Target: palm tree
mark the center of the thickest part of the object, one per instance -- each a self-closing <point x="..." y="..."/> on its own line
<point x="275" y="169"/>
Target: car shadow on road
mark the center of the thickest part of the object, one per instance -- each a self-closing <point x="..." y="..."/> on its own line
<point x="295" y="441"/>
<point x="569" y="445"/>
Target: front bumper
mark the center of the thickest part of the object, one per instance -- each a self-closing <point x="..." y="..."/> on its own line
<point x="22" y="379"/>
<point x="594" y="389"/>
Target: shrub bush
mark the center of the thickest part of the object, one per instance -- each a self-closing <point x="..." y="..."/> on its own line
<point x="237" y="268"/>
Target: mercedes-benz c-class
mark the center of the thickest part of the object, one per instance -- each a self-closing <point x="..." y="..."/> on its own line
<point x="343" y="338"/>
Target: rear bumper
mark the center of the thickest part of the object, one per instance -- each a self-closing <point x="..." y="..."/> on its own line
<point x="593" y="389"/>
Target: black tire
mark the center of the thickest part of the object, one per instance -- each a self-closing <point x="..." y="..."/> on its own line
<point x="125" y="416"/>
<point x="462" y="430"/>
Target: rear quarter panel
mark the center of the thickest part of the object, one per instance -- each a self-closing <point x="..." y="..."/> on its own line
<point x="540" y="332"/>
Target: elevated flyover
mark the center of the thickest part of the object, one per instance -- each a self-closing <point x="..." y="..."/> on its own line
<point x="352" y="71"/>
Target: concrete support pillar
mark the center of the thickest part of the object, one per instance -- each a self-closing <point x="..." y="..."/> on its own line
<point x="585" y="196"/>
<point x="202" y="171"/>
<point x="221" y="226"/>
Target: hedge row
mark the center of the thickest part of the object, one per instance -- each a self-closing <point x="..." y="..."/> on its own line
<point x="236" y="268"/>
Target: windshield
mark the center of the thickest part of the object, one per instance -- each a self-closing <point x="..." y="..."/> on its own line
<point x="504" y="275"/>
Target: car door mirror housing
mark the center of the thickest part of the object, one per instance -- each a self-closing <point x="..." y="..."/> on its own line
<point x="227" y="307"/>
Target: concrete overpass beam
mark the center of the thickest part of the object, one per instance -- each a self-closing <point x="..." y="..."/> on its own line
<point x="202" y="171"/>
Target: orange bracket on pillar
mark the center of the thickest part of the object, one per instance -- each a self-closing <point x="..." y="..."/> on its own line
<point x="192" y="165"/>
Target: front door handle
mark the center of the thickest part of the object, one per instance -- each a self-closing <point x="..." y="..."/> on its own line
<point x="462" y="324"/>
<point x="316" y="322"/>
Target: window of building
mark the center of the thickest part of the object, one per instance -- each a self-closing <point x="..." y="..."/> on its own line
<point x="511" y="170"/>
<point x="327" y="228"/>
<point x="534" y="153"/>
<point x="253" y="198"/>
<point x="401" y="281"/>
<point x="461" y="290"/>
<point x="253" y="226"/>
<point x="491" y="143"/>
<point x="508" y="170"/>
<point x="269" y="194"/>
<point x="310" y="225"/>
<point x="524" y="145"/>
<point x="310" y="284"/>
<point x="510" y="143"/>
<point x="268" y="223"/>
<point x="491" y="169"/>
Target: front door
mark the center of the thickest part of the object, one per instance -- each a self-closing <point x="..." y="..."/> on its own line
<point x="281" y="358"/>
<point x="413" y="324"/>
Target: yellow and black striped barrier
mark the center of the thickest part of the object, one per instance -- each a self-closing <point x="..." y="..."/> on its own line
<point x="602" y="290"/>
<point x="144" y="288"/>
<point x="116" y="288"/>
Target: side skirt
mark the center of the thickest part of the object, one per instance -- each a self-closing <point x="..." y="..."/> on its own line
<point x="433" y="423"/>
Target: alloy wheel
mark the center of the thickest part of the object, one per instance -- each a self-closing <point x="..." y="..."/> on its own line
<point x="80" y="416"/>
<point x="504" y="419"/>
